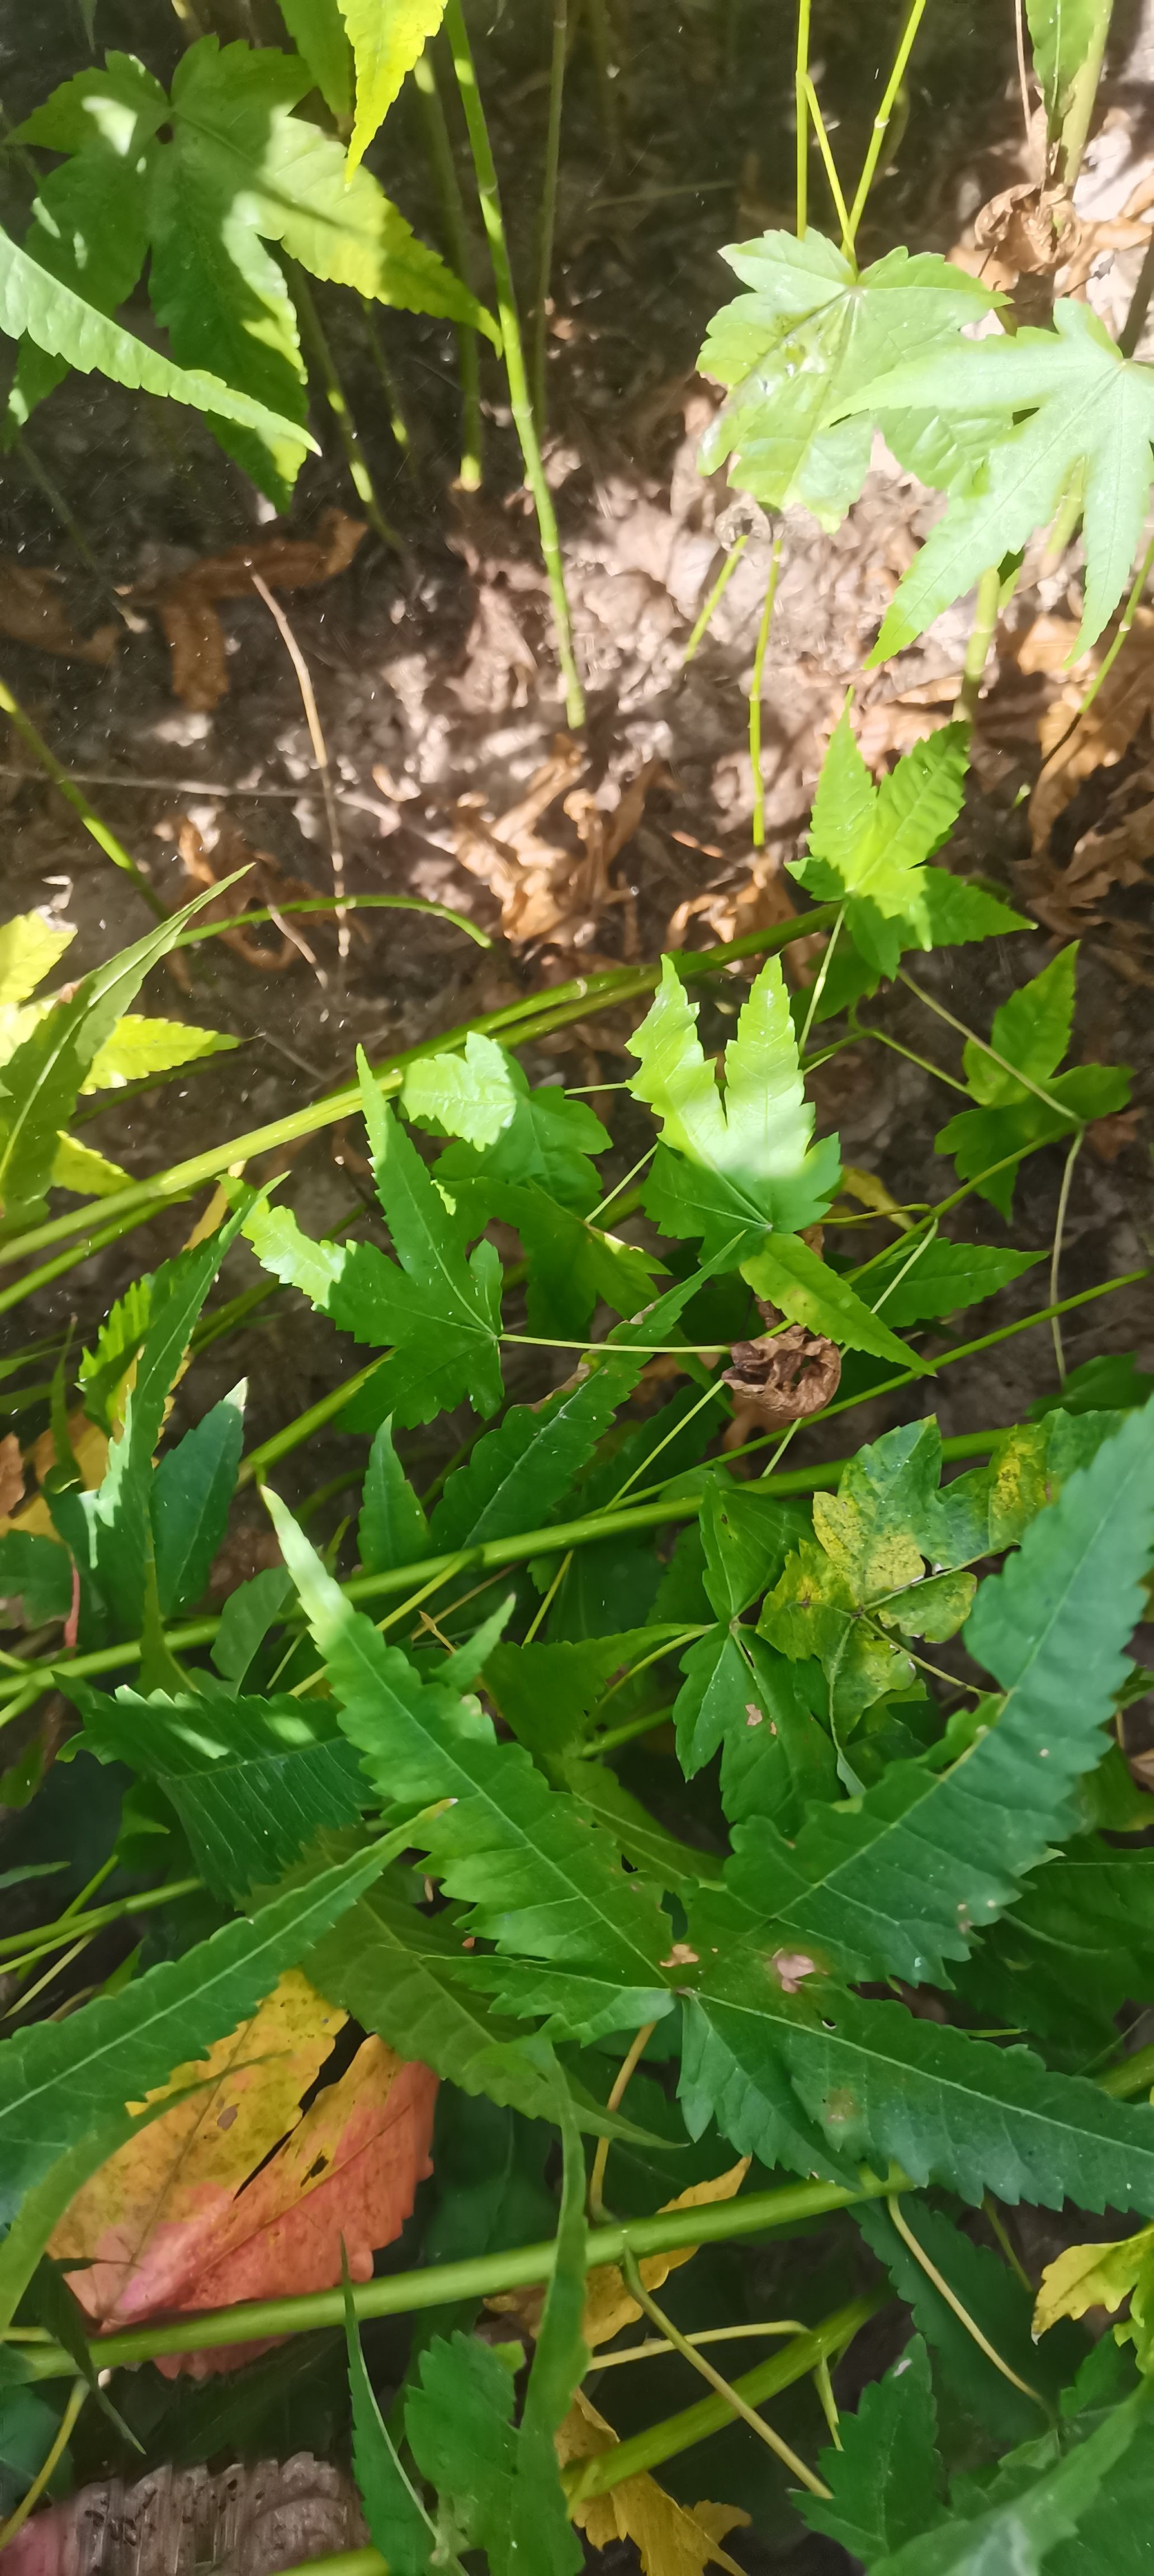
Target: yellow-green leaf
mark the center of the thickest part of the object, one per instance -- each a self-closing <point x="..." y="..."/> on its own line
<point x="79" y="1167"/>
<point x="139" y="1046"/>
<point x="387" y="38"/>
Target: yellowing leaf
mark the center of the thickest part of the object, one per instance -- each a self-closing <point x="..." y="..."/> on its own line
<point x="29" y="947"/>
<point x="387" y="38"/>
<point x="1091" y="2276"/>
<point x="671" y="2539"/>
<point x="79" y="1167"/>
<point x="608" y="2304"/>
<point x="138" y="1046"/>
<point x="233" y="2195"/>
<point x="90" y="1450"/>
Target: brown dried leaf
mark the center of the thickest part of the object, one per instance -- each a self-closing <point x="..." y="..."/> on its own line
<point x="782" y="1377"/>
<point x="11" y="1474"/>
<point x="544" y="890"/>
<point x="244" y="2521"/>
<point x="32" y="612"/>
<point x="1109" y="1137"/>
<point x="267" y="885"/>
<point x="186" y="603"/>
<point x="671" y="2539"/>
<point x="1101" y="738"/>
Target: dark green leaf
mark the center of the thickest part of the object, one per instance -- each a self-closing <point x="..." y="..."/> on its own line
<point x="392" y="1529"/>
<point x="191" y="1493"/>
<point x="884" y="2476"/>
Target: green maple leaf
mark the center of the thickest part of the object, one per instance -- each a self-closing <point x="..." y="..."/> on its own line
<point x="1088" y="411"/>
<point x="1032" y="1033"/>
<point x="738" y="1163"/>
<point x="868" y="848"/>
<point x="792" y="350"/>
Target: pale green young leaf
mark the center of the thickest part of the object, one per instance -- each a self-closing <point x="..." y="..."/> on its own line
<point x="43" y="1077"/>
<point x="868" y="845"/>
<point x="545" y="1145"/>
<point x="140" y="1046"/>
<point x="386" y="43"/>
<point x="29" y="946"/>
<point x="1020" y="2532"/>
<point x="1063" y="35"/>
<point x="746" y="1158"/>
<point x="79" y="1167"/>
<point x="392" y="1529"/>
<point x="884" y="2476"/>
<point x="539" y="1878"/>
<point x="794" y="1278"/>
<point x="399" y="2526"/>
<point x="1089" y="413"/>
<point x="192" y="1489"/>
<point x="58" y="2079"/>
<point x="318" y="32"/>
<point x="471" y="1095"/>
<point x="819" y="2080"/>
<point x="899" y="1882"/>
<point x="793" y="349"/>
<point x="253" y="1781"/>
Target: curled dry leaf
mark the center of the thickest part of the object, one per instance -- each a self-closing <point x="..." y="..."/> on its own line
<point x="33" y="612"/>
<point x="544" y="890"/>
<point x="671" y="2539"/>
<point x="233" y="2194"/>
<point x="11" y="1474"/>
<point x="267" y="885"/>
<point x="186" y="604"/>
<point x="782" y="1377"/>
<point x="244" y="2521"/>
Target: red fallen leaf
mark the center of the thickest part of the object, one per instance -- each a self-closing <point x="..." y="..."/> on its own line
<point x="234" y="2195"/>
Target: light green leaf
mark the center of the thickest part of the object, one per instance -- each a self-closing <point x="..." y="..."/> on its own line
<point x="317" y="31"/>
<point x="747" y="1158"/>
<point x="1063" y="34"/>
<point x="79" y="1167"/>
<point x="192" y="1489"/>
<point x="1090" y="413"/>
<point x="470" y="1095"/>
<point x="793" y="350"/>
<point x="789" y="1275"/>
<point x="59" y="2078"/>
<point x="41" y="1080"/>
<point x="386" y="42"/>
<point x="29" y="947"/>
<point x="141" y="1046"/>
<point x="868" y="845"/>
<point x="546" y="1145"/>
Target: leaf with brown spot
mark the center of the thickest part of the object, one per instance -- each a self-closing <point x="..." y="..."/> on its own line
<point x="671" y="2539"/>
<point x="234" y="2195"/>
<point x="186" y="604"/>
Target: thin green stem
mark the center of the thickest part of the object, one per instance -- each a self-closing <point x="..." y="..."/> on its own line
<point x="547" y="225"/>
<point x="317" y="342"/>
<point x="98" y="830"/>
<point x="62" y="2438"/>
<point x="729" y="2393"/>
<point x="801" y="114"/>
<point x="517" y="1023"/>
<point x="757" y="829"/>
<point x="826" y="150"/>
<point x="942" y="2286"/>
<point x="255" y="1467"/>
<point x="717" y="593"/>
<point x="1056" y="1255"/>
<point x="460" y="249"/>
<point x="332" y="903"/>
<point x="441" y="2284"/>
<point x="781" y="2370"/>
<point x="882" y="1037"/>
<point x="981" y="637"/>
<point x="882" y="121"/>
<point x="819" y="982"/>
<point x="25" y="1946"/>
<point x="514" y="354"/>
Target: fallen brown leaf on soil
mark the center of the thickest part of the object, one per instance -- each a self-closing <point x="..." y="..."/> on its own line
<point x="33" y="612"/>
<point x="731" y="905"/>
<point x="234" y="2194"/>
<point x="244" y="2521"/>
<point x="544" y="890"/>
<point x="267" y="885"/>
<point x="1109" y="1137"/>
<point x="782" y="1377"/>
<point x="671" y="2539"/>
<point x="186" y="604"/>
<point x="1072" y="751"/>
